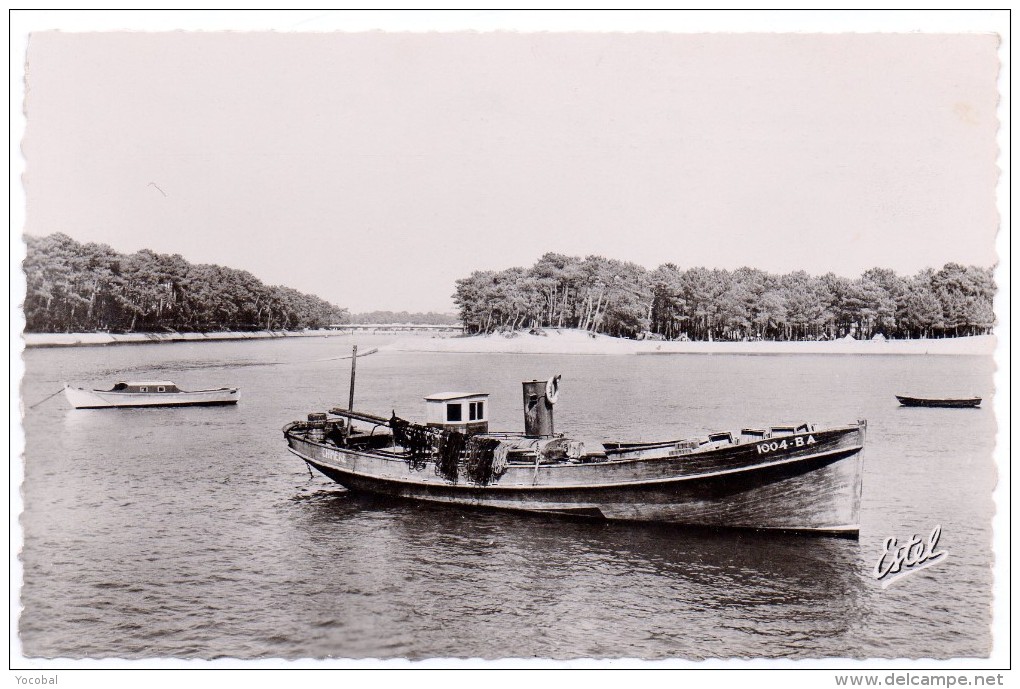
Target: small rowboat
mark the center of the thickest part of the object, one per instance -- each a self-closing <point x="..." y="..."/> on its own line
<point x="147" y="393"/>
<point x="964" y="403"/>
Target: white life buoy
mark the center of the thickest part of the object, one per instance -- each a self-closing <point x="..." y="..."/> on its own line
<point x="552" y="389"/>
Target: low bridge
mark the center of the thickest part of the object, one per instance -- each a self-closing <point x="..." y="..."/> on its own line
<point x="396" y="327"/>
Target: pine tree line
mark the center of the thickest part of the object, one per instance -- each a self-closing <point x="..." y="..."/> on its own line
<point x="624" y="299"/>
<point x="73" y="287"/>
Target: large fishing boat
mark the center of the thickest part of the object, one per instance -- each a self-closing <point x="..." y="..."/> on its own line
<point x="797" y="477"/>
<point x="147" y="393"/>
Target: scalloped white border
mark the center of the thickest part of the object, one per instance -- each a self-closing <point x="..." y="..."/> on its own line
<point x="735" y="20"/>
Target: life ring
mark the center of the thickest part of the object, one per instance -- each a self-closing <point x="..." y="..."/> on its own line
<point x="552" y="389"/>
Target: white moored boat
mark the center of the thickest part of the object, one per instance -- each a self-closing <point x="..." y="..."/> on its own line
<point x="147" y="393"/>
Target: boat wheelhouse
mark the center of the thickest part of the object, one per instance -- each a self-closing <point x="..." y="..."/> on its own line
<point x="464" y="412"/>
<point x="151" y="386"/>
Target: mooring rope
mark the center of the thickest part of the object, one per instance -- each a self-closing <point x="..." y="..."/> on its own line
<point x="268" y="363"/>
<point x="46" y="398"/>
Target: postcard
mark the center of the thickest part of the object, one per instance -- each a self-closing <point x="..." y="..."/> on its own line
<point x="651" y="348"/>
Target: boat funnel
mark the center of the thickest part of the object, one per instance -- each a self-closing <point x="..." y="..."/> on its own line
<point x="539" y="398"/>
<point x="317" y="427"/>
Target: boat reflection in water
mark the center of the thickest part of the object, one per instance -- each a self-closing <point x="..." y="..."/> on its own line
<point x="788" y="478"/>
<point x="549" y="587"/>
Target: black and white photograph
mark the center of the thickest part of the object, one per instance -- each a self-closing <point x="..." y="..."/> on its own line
<point x="397" y="340"/>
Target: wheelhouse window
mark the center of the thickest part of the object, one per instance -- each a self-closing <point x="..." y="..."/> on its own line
<point x="161" y="389"/>
<point x="143" y="389"/>
<point x="476" y="411"/>
<point x="454" y="412"/>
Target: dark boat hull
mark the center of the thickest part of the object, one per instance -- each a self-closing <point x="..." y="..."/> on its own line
<point x="803" y="486"/>
<point x="968" y="403"/>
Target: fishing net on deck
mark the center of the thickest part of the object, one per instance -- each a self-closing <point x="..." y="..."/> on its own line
<point x="417" y="441"/>
<point x="448" y="452"/>
<point x="486" y="460"/>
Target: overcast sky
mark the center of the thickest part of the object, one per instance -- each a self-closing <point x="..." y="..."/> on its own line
<point x="375" y="169"/>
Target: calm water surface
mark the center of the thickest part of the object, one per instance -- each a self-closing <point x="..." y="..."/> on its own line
<point x="193" y="533"/>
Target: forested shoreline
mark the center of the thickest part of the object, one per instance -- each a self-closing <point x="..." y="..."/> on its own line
<point x="74" y="287"/>
<point x="627" y="300"/>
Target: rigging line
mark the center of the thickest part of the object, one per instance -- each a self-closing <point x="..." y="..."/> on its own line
<point x="348" y="356"/>
<point x="307" y="361"/>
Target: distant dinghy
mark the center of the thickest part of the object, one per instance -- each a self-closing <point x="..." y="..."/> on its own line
<point x="962" y="403"/>
<point x="147" y="393"/>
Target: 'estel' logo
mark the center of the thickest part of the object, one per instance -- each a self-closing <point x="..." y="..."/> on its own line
<point x="898" y="561"/>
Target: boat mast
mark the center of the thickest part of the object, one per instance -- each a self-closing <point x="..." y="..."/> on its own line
<point x="354" y="367"/>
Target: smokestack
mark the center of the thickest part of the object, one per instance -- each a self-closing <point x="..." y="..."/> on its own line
<point x="539" y="397"/>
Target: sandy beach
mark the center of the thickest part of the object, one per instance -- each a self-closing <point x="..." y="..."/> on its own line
<point x="550" y="341"/>
<point x="96" y="339"/>
<point x="554" y="341"/>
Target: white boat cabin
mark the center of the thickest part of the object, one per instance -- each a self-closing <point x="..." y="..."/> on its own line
<point x="466" y="412"/>
<point x="145" y="386"/>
